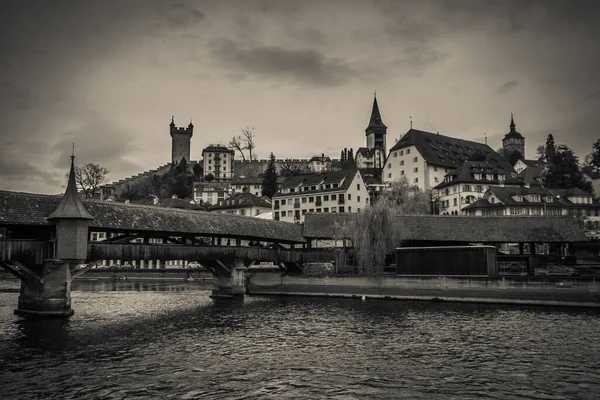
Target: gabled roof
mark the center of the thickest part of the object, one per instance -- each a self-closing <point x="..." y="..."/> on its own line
<point x="447" y="151"/>
<point x="505" y="197"/>
<point x="217" y="148"/>
<point x="531" y="175"/>
<point x="31" y="209"/>
<point x="438" y="228"/>
<point x="466" y="174"/>
<point x="308" y="180"/>
<point x="365" y="152"/>
<point x="241" y="200"/>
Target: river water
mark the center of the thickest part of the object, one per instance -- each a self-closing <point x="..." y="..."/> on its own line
<point x="171" y="341"/>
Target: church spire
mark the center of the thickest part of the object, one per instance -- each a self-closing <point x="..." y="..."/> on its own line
<point x="512" y="123"/>
<point x="70" y="206"/>
<point x="375" y="121"/>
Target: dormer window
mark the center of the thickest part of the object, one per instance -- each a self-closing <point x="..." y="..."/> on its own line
<point x="549" y="199"/>
<point x="518" y="198"/>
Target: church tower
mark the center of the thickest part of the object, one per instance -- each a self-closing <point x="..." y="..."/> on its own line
<point x="376" y="132"/>
<point x="180" y="143"/>
<point x="513" y="140"/>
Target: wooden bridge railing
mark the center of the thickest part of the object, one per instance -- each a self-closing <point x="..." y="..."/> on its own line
<point x="31" y="252"/>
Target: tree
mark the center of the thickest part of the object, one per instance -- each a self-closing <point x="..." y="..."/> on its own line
<point x="512" y="156"/>
<point x="236" y="144"/>
<point x="550" y="148"/>
<point x="198" y="171"/>
<point x="269" y="178"/>
<point x="288" y="168"/>
<point x="138" y="190"/>
<point x="209" y="177"/>
<point x="477" y="156"/>
<point x="89" y="177"/>
<point x="248" y="139"/>
<point x="595" y="159"/>
<point x="541" y="153"/>
<point x="375" y="232"/>
<point x="563" y="171"/>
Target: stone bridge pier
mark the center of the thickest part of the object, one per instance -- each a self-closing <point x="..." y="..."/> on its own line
<point x="229" y="278"/>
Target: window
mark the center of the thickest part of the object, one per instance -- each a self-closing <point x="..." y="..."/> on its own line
<point x="455" y="202"/>
<point x="276" y="216"/>
<point x="358" y="186"/>
<point x="401" y="162"/>
<point x="304" y="200"/>
<point x="333" y="196"/>
<point x="311" y="199"/>
<point x="318" y="210"/>
<point x="407" y="151"/>
<point x="349" y="209"/>
<point x="341" y="209"/>
<point x="416" y="169"/>
<point x="283" y="213"/>
<point x="326" y="198"/>
<point x="401" y="152"/>
<point x="401" y="173"/>
<point x="326" y="209"/>
<point x="395" y="154"/>
<point x="349" y="196"/>
<point x="283" y="203"/>
<point x="390" y="165"/>
<point x="435" y="179"/>
<point x="292" y="190"/>
<point x="389" y="175"/>
<point x="311" y="210"/>
<point x="434" y="168"/>
<point x="467" y="188"/>
<point x="303" y="212"/>
<point x="415" y="159"/>
<point x="358" y="198"/>
<point x="416" y="180"/>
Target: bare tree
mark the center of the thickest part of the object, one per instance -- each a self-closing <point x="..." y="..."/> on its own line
<point x="89" y="177"/>
<point x="235" y="144"/>
<point x="248" y="139"/>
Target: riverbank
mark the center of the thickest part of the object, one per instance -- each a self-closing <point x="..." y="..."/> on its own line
<point x="539" y="291"/>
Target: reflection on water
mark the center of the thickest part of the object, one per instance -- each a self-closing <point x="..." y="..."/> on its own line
<point x="157" y="340"/>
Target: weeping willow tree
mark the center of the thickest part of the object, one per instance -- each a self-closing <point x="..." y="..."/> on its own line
<point x="375" y="231"/>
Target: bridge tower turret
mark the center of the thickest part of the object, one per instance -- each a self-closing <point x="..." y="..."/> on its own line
<point x="46" y="291"/>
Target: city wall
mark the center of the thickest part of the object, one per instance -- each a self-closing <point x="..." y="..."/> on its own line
<point x="551" y="291"/>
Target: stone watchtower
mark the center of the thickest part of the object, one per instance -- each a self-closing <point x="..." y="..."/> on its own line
<point x="513" y="140"/>
<point x="180" y="143"/>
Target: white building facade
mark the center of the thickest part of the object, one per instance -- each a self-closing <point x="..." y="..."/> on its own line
<point x="218" y="161"/>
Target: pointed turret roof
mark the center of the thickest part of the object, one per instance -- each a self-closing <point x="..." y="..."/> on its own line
<point x="375" y="121"/>
<point x="513" y="132"/>
<point x="70" y="206"/>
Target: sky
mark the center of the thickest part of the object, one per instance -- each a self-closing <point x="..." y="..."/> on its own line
<point x="108" y="75"/>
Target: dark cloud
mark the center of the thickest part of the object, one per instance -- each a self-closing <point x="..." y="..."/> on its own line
<point x="182" y="14"/>
<point x="16" y="172"/>
<point x="507" y="86"/>
<point x="416" y="59"/>
<point x="271" y="62"/>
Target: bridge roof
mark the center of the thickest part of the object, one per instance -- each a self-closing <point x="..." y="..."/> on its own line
<point x="468" y="229"/>
<point x="32" y="209"/>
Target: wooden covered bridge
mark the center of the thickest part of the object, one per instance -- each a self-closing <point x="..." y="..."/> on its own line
<point x="44" y="238"/>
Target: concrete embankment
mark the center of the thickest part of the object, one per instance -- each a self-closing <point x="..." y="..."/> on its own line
<point x="549" y="291"/>
<point x="146" y="274"/>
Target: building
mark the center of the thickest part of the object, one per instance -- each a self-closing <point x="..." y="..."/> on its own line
<point x="373" y="155"/>
<point x="535" y="201"/>
<point x="467" y="184"/>
<point x="319" y="163"/>
<point x="513" y="140"/>
<point x="522" y="164"/>
<point x="218" y="161"/>
<point x="329" y="192"/>
<point x="424" y="158"/>
<point x="243" y="204"/>
<point x="251" y="184"/>
<point x="211" y="192"/>
<point x="180" y="142"/>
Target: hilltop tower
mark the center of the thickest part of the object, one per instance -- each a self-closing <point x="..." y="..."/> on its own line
<point x="180" y="143"/>
<point x="513" y="140"/>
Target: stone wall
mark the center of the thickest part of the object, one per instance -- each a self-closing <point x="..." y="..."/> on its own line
<point x="513" y="290"/>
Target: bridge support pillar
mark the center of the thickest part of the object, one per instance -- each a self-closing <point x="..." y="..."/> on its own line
<point x="230" y="285"/>
<point x="47" y="294"/>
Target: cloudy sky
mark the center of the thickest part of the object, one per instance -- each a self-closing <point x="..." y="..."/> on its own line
<point x="108" y="75"/>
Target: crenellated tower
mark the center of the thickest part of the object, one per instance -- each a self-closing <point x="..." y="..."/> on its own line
<point x="181" y="142"/>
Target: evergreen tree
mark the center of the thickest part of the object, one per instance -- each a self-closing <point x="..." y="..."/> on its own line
<point x="563" y="171"/>
<point x="595" y="159"/>
<point x="351" y="155"/>
<point x="550" y="148"/>
<point x="269" y="180"/>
